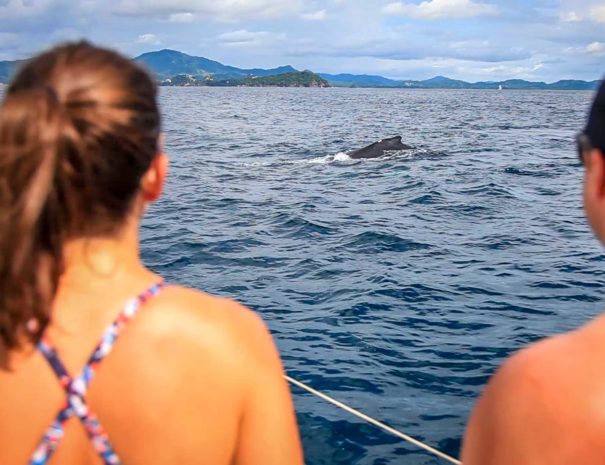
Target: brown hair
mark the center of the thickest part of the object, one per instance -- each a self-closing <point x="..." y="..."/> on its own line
<point x="79" y="127"/>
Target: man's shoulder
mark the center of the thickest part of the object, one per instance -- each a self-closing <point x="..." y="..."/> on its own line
<point x="539" y="407"/>
<point x="550" y="373"/>
<point x="561" y="364"/>
<point x="553" y="385"/>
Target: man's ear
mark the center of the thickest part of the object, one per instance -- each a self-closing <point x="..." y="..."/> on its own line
<point x="153" y="180"/>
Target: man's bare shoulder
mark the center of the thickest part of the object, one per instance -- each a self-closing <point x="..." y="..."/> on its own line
<point x="563" y="365"/>
<point x="540" y="401"/>
<point x="556" y="375"/>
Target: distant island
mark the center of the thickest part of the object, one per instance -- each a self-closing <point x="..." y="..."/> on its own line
<point x="173" y="68"/>
<point x="293" y="79"/>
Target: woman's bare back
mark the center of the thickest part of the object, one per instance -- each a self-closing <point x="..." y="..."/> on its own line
<point x="192" y="377"/>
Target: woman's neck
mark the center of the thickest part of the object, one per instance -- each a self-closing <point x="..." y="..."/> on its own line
<point x="94" y="259"/>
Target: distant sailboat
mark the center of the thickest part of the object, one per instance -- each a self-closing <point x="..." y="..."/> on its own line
<point x="500" y="87"/>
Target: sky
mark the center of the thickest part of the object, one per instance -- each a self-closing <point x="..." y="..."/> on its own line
<point x="473" y="40"/>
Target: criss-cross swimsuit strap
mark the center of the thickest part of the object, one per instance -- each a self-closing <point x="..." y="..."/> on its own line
<point x="77" y="386"/>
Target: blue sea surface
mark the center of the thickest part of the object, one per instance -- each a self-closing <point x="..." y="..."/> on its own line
<point x="398" y="284"/>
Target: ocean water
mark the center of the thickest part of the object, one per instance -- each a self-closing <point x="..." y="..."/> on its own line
<point x="398" y="284"/>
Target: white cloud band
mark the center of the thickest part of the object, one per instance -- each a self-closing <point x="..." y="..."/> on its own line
<point x="441" y="9"/>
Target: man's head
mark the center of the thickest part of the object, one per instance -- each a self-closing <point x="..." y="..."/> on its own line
<point x="592" y="153"/>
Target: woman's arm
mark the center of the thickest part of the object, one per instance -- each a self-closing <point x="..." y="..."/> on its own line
<point x="268" y="433"/>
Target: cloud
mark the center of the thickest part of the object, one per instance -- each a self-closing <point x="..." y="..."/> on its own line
<point x="511" y="71"/>
<point x="598" y="13"/>
<point x="320" y="15"/>
<point x="25" y="8"/>
<point x="67" y="34"/>
<point x="441" y="9"/>
<point x="395" y="47"/>
<point x="148" y="39"/>
<point x="583" y="12"/>
<point x="241" y="36"/>
<point x="181" y="17"/>
<point x="570" y="17"/>
<point x="596" y="48"/>
<point x="245" y="38"/>
<point x="483" y="50"/>
<point x="8" y="39"/>
<point x="225" y="10"/>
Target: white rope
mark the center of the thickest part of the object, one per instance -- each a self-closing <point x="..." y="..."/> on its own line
<point x="371" y="420"/>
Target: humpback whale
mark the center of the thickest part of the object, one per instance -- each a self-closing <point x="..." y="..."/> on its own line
<point x="377" y="149"/>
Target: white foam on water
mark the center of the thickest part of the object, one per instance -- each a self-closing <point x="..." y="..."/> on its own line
<point x="339" y="157"/>
<point x="320" y="160"/>
<point x="342" y="156"/>
<point x="327" y="159"/>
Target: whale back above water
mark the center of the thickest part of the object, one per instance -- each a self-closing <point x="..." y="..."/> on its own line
<point x="377" y="149"/>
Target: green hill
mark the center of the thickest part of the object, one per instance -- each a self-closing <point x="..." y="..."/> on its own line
<point x="295" y="79"/>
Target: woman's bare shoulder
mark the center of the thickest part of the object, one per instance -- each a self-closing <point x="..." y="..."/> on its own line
<point x="186" y="302"/>
<point x="221" y="326"/>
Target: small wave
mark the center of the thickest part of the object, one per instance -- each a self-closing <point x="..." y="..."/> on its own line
<point x="488" y="189"/>
<point x="376" y="242"/>
<point x="524" y="172"/>
<point x="429" y="198"/>
<point x="296" y="226"/>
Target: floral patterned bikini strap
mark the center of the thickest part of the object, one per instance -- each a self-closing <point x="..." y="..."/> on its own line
<point x="112" y="332"/>
<point x="77" y="387"/>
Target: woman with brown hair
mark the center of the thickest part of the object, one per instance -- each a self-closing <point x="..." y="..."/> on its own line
<point x="178" y="377"/>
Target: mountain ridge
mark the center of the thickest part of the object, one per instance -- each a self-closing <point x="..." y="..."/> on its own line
<point x="166" y="64"/>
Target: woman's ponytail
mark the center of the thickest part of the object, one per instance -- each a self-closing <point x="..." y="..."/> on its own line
<point x="30" y="240"/>
<point x="79" y="127"/>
